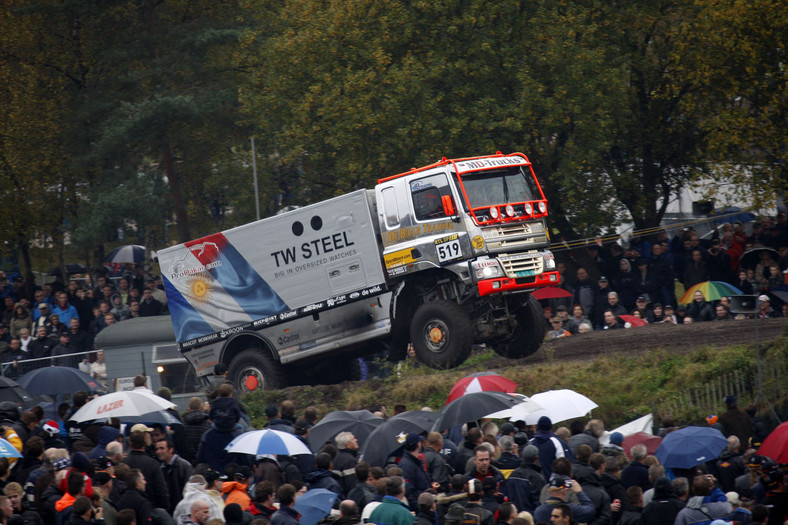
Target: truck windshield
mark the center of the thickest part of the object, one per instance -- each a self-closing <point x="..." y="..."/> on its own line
<point x="503" y="186"/>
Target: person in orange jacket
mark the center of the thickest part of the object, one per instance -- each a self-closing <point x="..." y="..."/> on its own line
<point x="235" y="491"/>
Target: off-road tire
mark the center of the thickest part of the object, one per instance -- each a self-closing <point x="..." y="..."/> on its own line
<point x="450" y="346"/>
<point x="259" y="364"/>
<point x="529" y="333"/>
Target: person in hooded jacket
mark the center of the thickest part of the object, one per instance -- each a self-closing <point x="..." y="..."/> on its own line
<point x="262" y="506"/>
<point x="322" y="477"/>
<point x="698" y="509"/>
<point x="106" y="434"/>
<point x="589" y="479"/>
<point x="550" y="446"/>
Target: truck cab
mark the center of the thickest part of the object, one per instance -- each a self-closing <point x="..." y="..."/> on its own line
<point x="466" y="239"/>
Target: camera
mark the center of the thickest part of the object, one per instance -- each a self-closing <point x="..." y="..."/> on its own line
<point x="568" y="483"/>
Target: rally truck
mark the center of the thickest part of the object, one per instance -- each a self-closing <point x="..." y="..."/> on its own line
<point x="443" y="257"/>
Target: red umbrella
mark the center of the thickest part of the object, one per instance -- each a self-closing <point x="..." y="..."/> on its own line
<point x="481" y="382"/>
<point x="550" y="292"/>
<point x="775" y="445"/>
<point x="632" y="320"/>
<point x="650" y="440"/>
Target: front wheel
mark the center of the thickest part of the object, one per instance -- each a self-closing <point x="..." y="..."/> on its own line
<point x="529" y="333"/>
<point x="255" y="369"/>
<point x="441" y="334"/>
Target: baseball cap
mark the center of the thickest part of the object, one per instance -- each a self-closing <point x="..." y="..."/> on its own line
<point x="42" y="306"/>
<point x="764" y="298"/>
<point x="557" y="482"/>
<point x="103" y="463"/>
<point x="141" y="427"/>
<point x="413" y="437"/>
<point x="603" y="279"/>
<point x="101" y="478"/>
<point x="474" y="486"/>
<point x="212" y="476"/>
<point x="641" y="298"/>
<point x="426" y="499"/>
<point x="243" y="472"/>
<point x="732" y="497"/>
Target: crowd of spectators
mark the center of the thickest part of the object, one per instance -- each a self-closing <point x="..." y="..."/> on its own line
<point x="54" y="320"/>
<point x="642" y="280"/>
<point x="512" y="474"/>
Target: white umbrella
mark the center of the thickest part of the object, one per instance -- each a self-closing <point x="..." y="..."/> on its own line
<point x="520" y="411"/>
<point x="560" y="405"/>
<point x="120" y="405"/>
<point x="129" y="253"/>
<point x="257" y="442"/>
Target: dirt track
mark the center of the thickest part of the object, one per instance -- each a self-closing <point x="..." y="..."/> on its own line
<point x="672" y="337"/>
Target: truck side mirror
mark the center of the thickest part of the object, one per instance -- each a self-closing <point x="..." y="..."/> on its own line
<point x="448" y="205"/>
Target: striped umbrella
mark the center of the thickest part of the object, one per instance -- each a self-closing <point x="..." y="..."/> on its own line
<point x="130" y="253"/>
<point x="711" y="290"/>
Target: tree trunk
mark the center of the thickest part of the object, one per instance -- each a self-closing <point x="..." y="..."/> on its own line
<point x="176" y="189"/>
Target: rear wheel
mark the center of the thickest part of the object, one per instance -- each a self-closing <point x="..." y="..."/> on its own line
<point x="255" y="369"/>
<point x="529" y="333"/>
<point x="441" y="334"/>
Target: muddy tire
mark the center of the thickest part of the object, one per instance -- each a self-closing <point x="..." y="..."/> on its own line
<point x="529" y="333"/>
<point x="441" y="334"/>
<point x="255" y="369"/>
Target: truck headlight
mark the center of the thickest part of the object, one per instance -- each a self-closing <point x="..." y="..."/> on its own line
<point x="549" y="262"/>
<point x="487" y="269"/>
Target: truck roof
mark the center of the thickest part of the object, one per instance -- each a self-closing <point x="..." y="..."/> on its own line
<point x="445" y="161"/>
<point x="138" y="331"/>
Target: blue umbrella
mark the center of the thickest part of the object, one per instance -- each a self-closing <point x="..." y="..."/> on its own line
<point x="690" y="446"/>
<point x="732" y="214"/>
<point x="314" y="505"/>
<point x="7" y="450"/>
<point x="57" y="380"/>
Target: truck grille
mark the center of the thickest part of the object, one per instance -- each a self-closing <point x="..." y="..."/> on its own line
<point x="514" y="234"/>
<point x="521" y="265"/>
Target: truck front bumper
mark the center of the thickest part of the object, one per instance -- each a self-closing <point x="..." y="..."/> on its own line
<point x="507" y="284"/>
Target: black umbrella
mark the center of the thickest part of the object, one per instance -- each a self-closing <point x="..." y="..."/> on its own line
<point x="390" y="436"/>
<point x="57" y="380"/>
<point x="11" y="391"/>
<point x="472" y="407"/>
<point x="360" y="422"/>
<point x="752" y="257"/>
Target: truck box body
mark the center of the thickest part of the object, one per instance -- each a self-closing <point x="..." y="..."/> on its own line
<point x="316" y="269"/>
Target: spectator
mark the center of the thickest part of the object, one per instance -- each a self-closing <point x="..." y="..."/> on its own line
<point x="149" y="306"/>
<point x="699" y="309"/>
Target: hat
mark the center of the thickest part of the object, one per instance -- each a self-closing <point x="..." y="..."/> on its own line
<point x="641" y="298"/>
<point x="730" y="400"/>
<point x="61" y="464"/>
<point x="413" y="438"/>
<point x="544" y="423"/>
<point x="616" y="438"/>
<point x="141" y="427"/>
<point x="521" y="438"/>
<point x="212" y="476"/>
<point x="561" y="308"/>
<point x="507" y="428"/>
<point x="426" y="499"/>
<point x="80" y="461"/>
<point x="603" y="279"/>
<point x="530" y="453"/>
<point x="41" y="306"/>
<point x="51" y="427"/>
<point x="732" y="497"/>
<point x="101" y="478"/>
<point x="455" y="514"/>
<point x="668" y="307"/>
<point x="103" y="463"/>
<point x="764" y="298"/>
<point x="721" y="522"/>
<point x="712" y="419"/>
<point x="243" y="472"/>
<point x="557" y="483"/>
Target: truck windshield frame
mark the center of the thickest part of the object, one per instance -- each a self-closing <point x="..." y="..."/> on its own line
<point x="499" y="188"/>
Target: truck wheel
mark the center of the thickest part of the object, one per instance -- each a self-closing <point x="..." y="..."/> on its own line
<point x="529" y="333"/>
<point x="254" y="369"/>
<point x="441" y="334"/>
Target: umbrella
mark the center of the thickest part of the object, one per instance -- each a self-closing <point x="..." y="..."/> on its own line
<point x="257" y="442"/>
<point x="360" y="422"/>
<point x="519" y="411"/>
<point x="390" y="436"/>
<point x="651" y="441"/>
<point x="129" y="253"/>
<point x="121" y="404"/>
<point x="560" y="405"/>
<point x="690" y="446"/>
<point x="11" y="391"/>
<point x="471" y="407"/>
<point x="775" y="445"/>
<point x="7" y="450"/>
<point x="712" y="291"/>
<point x="158" y="416"/>
<point x="632" y="320"/>
<point x="550" y="292"/>
<point x="732" y="214"/>
<point x="752" y="257"/>
<point x="71" y="269"/>
<point x="314" y="505"/>
<point x="57" y="380"/>
<point x="481" y="382"/>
